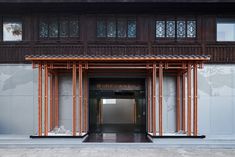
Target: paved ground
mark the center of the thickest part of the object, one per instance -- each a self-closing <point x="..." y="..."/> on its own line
<point x="116" y="152"/>
<point x="23" y="146"/>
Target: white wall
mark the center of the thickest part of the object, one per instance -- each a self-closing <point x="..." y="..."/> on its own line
<point x="18" y="100"/>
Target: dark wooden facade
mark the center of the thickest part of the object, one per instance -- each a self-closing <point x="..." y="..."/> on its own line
<point x="145" y="42"/>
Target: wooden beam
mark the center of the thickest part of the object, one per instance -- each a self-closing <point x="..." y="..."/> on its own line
<point x="80" y="98"/>
<point x="45" y="100"/>
<point x="154" y="75"/>
<point x="189" y="101"/>
<point x="183" y="103"/>
<point x="40" y="100"/>
<point x="195" y="102"/>
<point x="57" y="100"/>
<point x="74" y="80"/>
<point x="160" y="97"/>
<point x="178" y="103"/>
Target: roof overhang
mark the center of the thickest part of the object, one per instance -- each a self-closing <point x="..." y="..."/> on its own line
<point x="124" y="58"/>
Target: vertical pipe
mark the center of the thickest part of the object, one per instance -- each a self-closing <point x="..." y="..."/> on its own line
<point x="40" y="100"/>
<point x="149" y="101"/>
<point x="160" y="97"/>
<point x="74" y="80"/>
<point x="195" y="97"/>
<point x="56" y="100"/>
<point x="51" y="102"/>
<point x="154" y="99"/>
<point x="189" y="100"/>
<point x="46" y="101"/>
<point x="183" y="103"/>
<point x="80" y="98"/>
<point x="178" y="103"/>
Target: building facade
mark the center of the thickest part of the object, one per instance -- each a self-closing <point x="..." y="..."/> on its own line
<point x="156" y="67"/>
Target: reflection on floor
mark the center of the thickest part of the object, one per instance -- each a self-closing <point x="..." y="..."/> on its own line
<point x="117" y="137"/>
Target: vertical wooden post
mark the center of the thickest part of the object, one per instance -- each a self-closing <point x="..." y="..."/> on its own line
<point x="183" y="103"/>
<point x="149" y="101"/>
<point x="80" y="99"/>
<point x="56" y="100"/>
<point x="195" y="97"/>
<point x="85" y="101"/>
<point x="178" y="103"/>
<point x="154" y="99"/>
<point x="74" y="81"/>
<point x="40" y="99"/>
<point x="51" y="102"/>
<point x="189" y="100"/>
<point x="46" y="100"/>
<point x="160" y="97"/>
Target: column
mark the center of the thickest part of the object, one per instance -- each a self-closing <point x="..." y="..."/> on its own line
<point x="80" y="98"/>
<point x="46" y="100"/>
<point x="56" y="100"/>
<point x="39" y="99"/>
<point x="183" y="103"/>
<point x="74" y="98"/>
<point x="154" y="99"/>
<point x="189" y="100"/>
<point x="178" y="103"/>
<point x="195" y="101"/>
<point x="160" y="97"/>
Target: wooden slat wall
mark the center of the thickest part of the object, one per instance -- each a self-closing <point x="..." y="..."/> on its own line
<point x="145" y="42"/>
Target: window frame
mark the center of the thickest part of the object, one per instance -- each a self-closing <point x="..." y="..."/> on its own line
<point x="12" y="18"/>
<point x="216" y="28"/>
<point x="59" y="19"/>
<point x="176" y="19"/>
<point x="116" y="17"/>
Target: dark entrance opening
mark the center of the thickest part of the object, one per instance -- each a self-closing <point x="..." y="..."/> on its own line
<point x="117" y="108"/>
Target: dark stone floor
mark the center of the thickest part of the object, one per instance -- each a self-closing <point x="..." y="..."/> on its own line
<point x="117" y="137"/>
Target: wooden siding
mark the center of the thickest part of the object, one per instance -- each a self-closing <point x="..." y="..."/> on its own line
<point x="144" y="43"/>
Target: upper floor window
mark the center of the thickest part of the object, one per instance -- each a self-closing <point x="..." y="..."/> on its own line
<point x="116" y="28"/>
<point x="225" y="29"/>
<point x="176" y="29"/>
<point x="54" y="27"/>
<point x="12" y="30"/>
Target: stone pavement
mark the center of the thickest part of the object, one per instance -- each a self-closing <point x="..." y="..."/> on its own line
<point x="116" y="152"/>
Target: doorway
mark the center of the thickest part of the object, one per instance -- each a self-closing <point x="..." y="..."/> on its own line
<point x="117" y="106"/>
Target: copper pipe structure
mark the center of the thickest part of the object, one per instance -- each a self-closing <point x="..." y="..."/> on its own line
<point x="189" y="101"/>
<point x="56" y="100"/>
<point x="149" y="101"/>
<point x="46" y="100"/>
<point x="40" y="100"/>
<point x="160" y="97"/>
<point x="195" y="97"/>
<point x="74" y="80"/>
<point x="80" y="98"/>
<point x="178" y="103"/>
<point x="183" y="103"/>
<point x="154" y="99"/>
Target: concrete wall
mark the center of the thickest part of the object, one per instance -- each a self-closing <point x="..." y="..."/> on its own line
<point x="18" y="100"/>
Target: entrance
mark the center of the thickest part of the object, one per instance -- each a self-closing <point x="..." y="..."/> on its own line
<point x="117" y="106"/>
